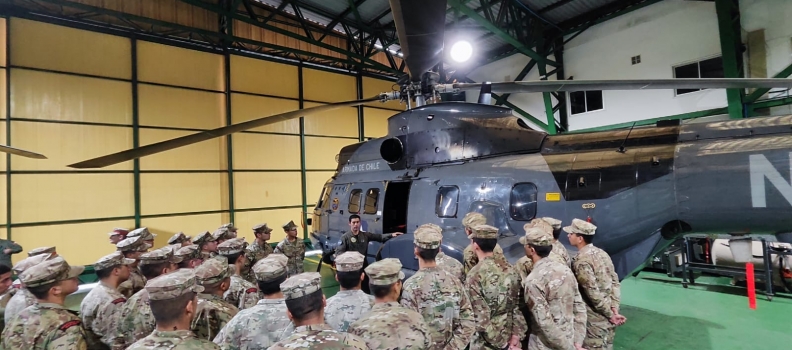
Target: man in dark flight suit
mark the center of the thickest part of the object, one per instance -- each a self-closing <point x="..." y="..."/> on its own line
<point x="357" y="240"/>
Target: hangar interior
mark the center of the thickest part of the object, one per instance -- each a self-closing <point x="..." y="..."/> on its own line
<point x="84" y="78"/>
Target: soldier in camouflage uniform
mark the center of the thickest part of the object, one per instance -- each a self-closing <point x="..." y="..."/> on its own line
<point x="148" y="237"/>
<point x="469" y="258"/>
<point x="173" y="304"/>
<point x="181" y="239"/>
<point x="599" y="286"/>
<point x="47" y="324"/>
<point x="132" y="248"/>
<point x="265" y="324"/>
<point x="213" y="312"/>
<point x="101" y="308"/>
<point x="558" y="317"/>
<point x="22" y="298"/>
<point x="232" y="230"/>
<point x="350" y="303"/>
<point x="190" y="256"/>
<point x="390" y="325"/>
<point x="438" y="296"/>
<point x="257" y="250"/>
<point x="117" y="235"/>
<point x="305" y="302"/>
<point x="207" y="243"/>
<point x="445" y="262"/>
<point x="8" y="248"/>
<point x="136" y="320"/>
<point x="293" y="248"/>
<point x="494" y="295"/>
<point x="6" y="291"/>
<point x="524" y="265"/>
<point x="222" y="234"/>
<point x="43" y="250"/>
<point x="241" y="293"/>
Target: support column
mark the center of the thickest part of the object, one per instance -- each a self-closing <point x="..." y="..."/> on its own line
<point x="548" y="102"/>
<point x="562" y="96"/>
<point x="361" y="129"/>
<point x="8" y="126"/>
<point x="303" y="179"/>
<point x="226" y="26"/>
<point x="728" y="12"/>
<point x="135" y="131"/>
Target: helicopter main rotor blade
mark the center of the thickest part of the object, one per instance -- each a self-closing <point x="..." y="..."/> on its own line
<point x="21" y="152"/>
<point x="633" y="84"/>
<point x="163" y="146"/>
<point x="420" y="25"/>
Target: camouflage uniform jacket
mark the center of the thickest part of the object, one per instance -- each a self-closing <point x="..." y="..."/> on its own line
<point x="560" y="250"/>
<point x="212" y="315"/>
<point x="470" y="259"/>
<point x="524" y="265"/>
<point x="3" y="302"/>
<point x="254" y="253"/>
<point x="444" y="304"/>
<point x="258" y="327"/>
<point x="319" y="336"/>
<point x="100" y="311"/>
<point x="5" y="259"/>
<point x="241" y="293"/>
<point x="391" y="326"/>
<point x="451" y="265"/>
<point x="598" y="281"/>
<point x="134" y="284"/>
<point x="558" y="317"/>
<point x="136" y="321"/>
<point x="494" y="295"/>
<point x="346" y="307"/>
<point x="172" y="340"/>
<point x="295" y="251"/>
<point x="45" y="326"/>
<point x="21" y="300"/>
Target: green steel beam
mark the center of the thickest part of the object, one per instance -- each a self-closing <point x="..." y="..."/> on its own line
<point x="784" y="73"/>
<point x="303" y="176"/>
<point x="729" y="29"/>
<point x="603" y="14"/>
<point x="8" y="127"/>
<point x="548" y="102"/>
<point x="361" y="110"/>
<point x="776" y="102"/>
<point x="457" y="4"/>
<point x="135" y="131"/>
<point x="684" y="116"/>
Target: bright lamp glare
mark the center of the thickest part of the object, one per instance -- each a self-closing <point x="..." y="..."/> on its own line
<point x="461" y="51"/>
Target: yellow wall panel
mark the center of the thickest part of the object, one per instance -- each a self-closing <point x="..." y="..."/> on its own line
<point x="375" y="121"/>
<point x="328" y="87"/>
<point x="181" y="193"/>
<point x="266" y="152"/>
<point x="53" y="197"/>
<point x="270" y="189"/>
<point x="338" y="122"/>
<point x="3" y="200"/>
<point x="264" y="77"/>
<point x="79" y="244"/>
<point x="41" y="95"/>
<point x="315" y="180"/>
<point x="3" y="31"/>
<point x="320" y="152"/>
<point x="174" y="107"/>
<point x="48" y="46"/>
<point x="204" y="155"/>
<point x="165" y="227"/>
<point x="4" y="235"/>
<point x="372" y="87"/>
<point x="177" y="66"/>
<point x="3" y="102"/>
<point x="65" y="144"/>
<point x="247" y="107"/>
<point x="275" y="219"/>
<point x="4" y="142"/>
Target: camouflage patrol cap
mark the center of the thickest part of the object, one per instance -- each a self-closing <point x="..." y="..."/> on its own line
<point x="289" y="226"/>
<point x="118" y="231"/>
<point x="540" y="224"/>
<point x="50" y="271"/>
<point x="581" y="227"/>
<point x="385" y="272"/>
<point x="158" y="256"/>
<point x="427" y="237"/>
<point x="270" y="268"/>
<point x="232" y="246"/>
<point x="178" y="238"/>
<point x="349" y="261"/>
<point x="536" y="237"/>
<point x="474" y="219"/>
<point x="213" y="271"/>
<point x="203" y="237"/>
<point x="143" y="232"/>
<point x="301" y="285"/>
<point x="554" y="223"/>
<point x="41" y="250"/>
<point x="26" y="263"/>
<point x="262" y="228"/>
<point x="484" y="232"/>
<point x="173" y="285"/>
<point x="132" y="244"/>
<point x="231" y="228"/>
<point x="187" y="253"/>
<point x="112" y="260"/>
<point x="222" y="233"/>
<point x="432" y="226"/>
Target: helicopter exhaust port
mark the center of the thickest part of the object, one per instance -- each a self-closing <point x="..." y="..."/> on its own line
<point x="392" y="150"/>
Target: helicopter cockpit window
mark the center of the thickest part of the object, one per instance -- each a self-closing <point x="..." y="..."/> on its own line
<point x="523" y="202"/>
<point x="372" y="196"/>
<point x="446" y="203"/>
<point x="324" y="197"/>
<point x="354" y="201"/>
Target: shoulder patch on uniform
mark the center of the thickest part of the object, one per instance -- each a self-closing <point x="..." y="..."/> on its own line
<point x="119" y="300"/>
<point x="69" y="324"/>
<point x="251" y="290"/>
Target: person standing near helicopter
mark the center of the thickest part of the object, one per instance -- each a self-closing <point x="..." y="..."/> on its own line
<point x="357" y="240"/>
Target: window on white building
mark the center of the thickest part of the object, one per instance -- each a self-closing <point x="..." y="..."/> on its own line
<point x="709" y="68"/>
<point x="585" y="101"/>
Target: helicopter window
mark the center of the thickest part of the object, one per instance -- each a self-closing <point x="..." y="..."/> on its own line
<point x="446" y="203"/>
<point x="354" y="201"/>
<point x="523" y="202"/>
<point x="324" y="197"/>
<point x="372" y="195"/>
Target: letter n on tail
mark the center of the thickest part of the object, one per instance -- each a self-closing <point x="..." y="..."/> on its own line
<point x="760" y="169"/>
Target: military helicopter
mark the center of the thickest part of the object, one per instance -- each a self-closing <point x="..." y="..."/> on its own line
<point x="642" y="187"/>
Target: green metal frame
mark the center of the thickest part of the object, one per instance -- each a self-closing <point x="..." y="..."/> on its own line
<point x="8" y="127"/>
<point x="303" y="175"/>
<point x="784" y="73"/>
<point x="135" y="129"/>
<point x="729" y="30"/>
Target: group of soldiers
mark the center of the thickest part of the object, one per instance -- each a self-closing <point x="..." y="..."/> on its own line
<point x="216" y="291"/>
